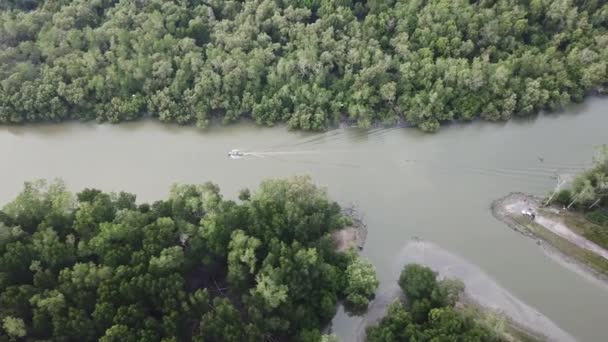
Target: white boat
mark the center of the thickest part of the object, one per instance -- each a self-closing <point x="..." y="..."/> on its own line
<point x="235" y="153"/>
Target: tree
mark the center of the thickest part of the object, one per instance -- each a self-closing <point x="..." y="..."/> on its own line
<point x="170" y="260"/>
<point x="417" y="282"/>
<point x="397" y="325"/>
<point x="242" y="261"/>
<point x="14" y="327"/>
<point x="271" y="292"/>
<point x="362" y="282"/>
<point x="117" y="333"/>
<point x="447" y="292"/>
<point x="222" y="323"/>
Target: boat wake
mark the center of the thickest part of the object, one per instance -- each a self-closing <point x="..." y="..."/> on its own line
<point x="281" y="156"/>
<point x="280" y="153"/>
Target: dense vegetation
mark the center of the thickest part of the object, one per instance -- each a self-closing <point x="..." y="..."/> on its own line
<point x="310" y="63"/>
<point x="589" y="189"/>
<point x="98" y="266"/>
<point x="429" y="314"/>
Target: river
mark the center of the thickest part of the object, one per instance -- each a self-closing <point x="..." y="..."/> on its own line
<point x="408" y="184"/>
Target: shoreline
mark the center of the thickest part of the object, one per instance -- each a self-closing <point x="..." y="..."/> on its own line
<point x="481" y="294"/>
<point x="573" y="257"/>
<point x="399" y="122"/>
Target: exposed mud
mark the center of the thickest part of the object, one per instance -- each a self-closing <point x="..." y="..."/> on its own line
<point x="352" y="236"/>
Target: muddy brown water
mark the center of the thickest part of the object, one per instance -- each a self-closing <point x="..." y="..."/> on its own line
<point x="434" y="186"/>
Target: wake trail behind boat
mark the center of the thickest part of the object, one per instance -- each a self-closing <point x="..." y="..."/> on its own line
<point x="279" y="153"/>
<point x="276" y="155"/>
<point x="310" y="139"/>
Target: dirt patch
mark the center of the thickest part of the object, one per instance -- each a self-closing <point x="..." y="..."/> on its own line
<point x="550" y="231"/>
<point x="352" y="236"/>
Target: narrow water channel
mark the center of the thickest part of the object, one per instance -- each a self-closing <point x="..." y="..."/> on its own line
<point x="437" y="187"/>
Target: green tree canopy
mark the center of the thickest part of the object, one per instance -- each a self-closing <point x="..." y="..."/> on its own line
<point x="97" y="266"/>
<point x="309" y="63"/>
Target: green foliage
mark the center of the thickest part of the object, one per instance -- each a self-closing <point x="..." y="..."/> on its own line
<point x="223" y="323"/>
<point x="309" y="63"/>
<point x="14" y="327"/>
<point x="362" y="282"/>
<point x="329" y="338"/>
<point x="397" y="325"/>
<point x="242" y="261"/>
<point x="447" y="292"/>
<point x="589" y="188"/>
<point x="430" y="314"/>
<point x="598" y="217"/>
<point x="96" y="266"/>
<point x="417" y="282"/>
<point x="564" y="196"/>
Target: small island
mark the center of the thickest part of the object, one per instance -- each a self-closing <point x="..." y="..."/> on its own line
<point x="432" y="309"/>
<point x="571" y="222"/>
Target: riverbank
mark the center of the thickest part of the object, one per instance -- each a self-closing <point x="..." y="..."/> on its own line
<point x="556" y="230"/>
